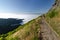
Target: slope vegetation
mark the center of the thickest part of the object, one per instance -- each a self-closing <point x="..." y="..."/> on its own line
<point x="28" y="31"/>
<point x="31" y="30"/>
<point x="53" y="16"/>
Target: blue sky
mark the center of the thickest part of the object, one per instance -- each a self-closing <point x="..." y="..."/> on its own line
<point x="25" y="6"/>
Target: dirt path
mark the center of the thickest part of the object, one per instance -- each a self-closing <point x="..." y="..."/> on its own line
<point x="46" y="32"/>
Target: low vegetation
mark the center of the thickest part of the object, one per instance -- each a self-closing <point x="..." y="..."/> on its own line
<point x="53" y="18"/>
<point x="28" y="31"/>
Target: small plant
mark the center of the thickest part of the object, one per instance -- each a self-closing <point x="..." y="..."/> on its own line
<point x="52" y="14"/>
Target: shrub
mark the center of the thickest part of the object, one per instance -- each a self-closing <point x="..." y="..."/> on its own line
<point x="52" y="14"/>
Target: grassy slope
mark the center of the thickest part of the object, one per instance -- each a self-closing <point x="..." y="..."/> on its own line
<point x="31" y="29"/>
<point x="28" y="31"/>
<point x="53" y="18"/>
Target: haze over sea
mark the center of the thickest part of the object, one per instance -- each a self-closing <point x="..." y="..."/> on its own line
<point x="24" y="9"/>
<point x="26" y="17"/>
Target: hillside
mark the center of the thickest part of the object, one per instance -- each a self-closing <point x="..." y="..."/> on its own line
<point x="28" y="31"/>
<point x="53" y="17"/>
<point x="9" y="24"/>
<point x="44" y="27"/>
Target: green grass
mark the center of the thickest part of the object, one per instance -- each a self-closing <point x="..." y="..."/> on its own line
<point x="28" y="31"/>
<point x="52" y="17"/>
<point x="52" y="14"/>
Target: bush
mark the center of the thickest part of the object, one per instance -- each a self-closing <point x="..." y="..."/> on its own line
<point x="52" y="14"/>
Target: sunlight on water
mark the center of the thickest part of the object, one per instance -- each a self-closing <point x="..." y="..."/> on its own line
<point x="26" y="17"/>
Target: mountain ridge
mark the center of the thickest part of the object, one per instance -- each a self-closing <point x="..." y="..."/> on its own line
<point x="32" y="29"/>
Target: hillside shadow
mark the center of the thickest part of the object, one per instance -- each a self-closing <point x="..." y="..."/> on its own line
<point x="9" y="24"/>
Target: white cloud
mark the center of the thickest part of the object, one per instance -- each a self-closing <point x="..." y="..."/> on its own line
<point x="11" y="15"/>
<point x="26" y="17"/>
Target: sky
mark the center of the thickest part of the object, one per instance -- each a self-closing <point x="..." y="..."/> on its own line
<point x="25" y="6"/>
<point x="24" y="9"/>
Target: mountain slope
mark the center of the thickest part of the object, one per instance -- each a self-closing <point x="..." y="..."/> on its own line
<point x="28" y="31"/>
<point x="53" y="16"/>
<point x="32" y="29"/>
